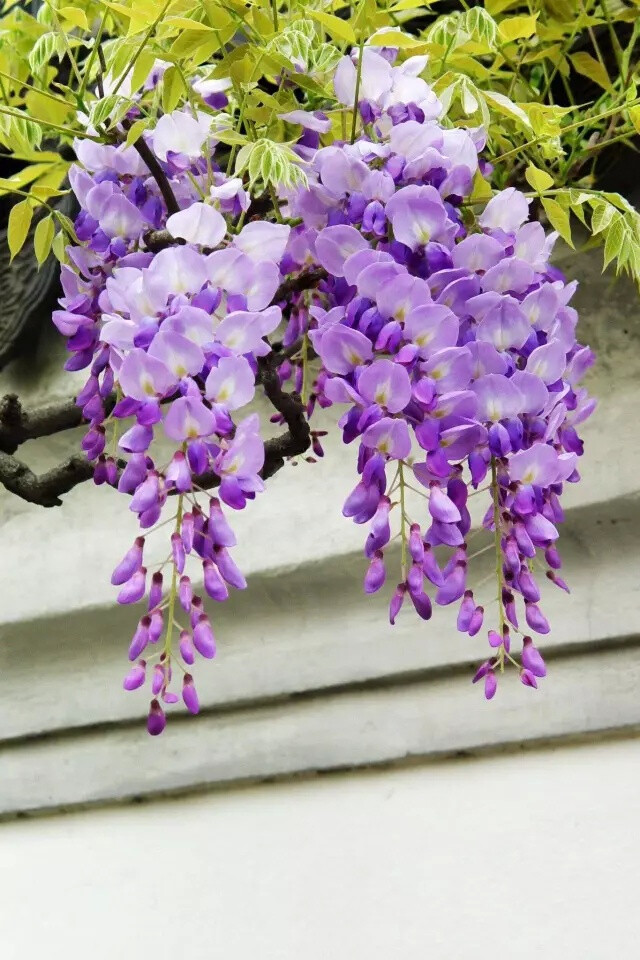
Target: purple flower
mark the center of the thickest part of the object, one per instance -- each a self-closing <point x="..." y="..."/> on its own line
<point x="390" y="437"/>
<point x="385" y="383"/>
<point x="187" y="419"/>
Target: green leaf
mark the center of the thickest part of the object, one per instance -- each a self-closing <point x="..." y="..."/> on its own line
<point x="603" y="214"/>
<point x="59" y="247"/>
<point x="539" y="179"/>
<point x="19" y="222"/>
<point x="173" y="89"/>
<point x="43" y="238"/>
<point x="615" y="239"/>
<point x="46" y="47"/>
<point x="588" y="66"/>
<point x="558" y="218"/>
<point x="335" y="27"/>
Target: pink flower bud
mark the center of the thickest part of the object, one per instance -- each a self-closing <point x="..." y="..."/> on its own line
<point x="219" y="530"/>
<point x="186" y="531"/>
<point x="156" y="721"/>
<point x="131" y="562"/>
<point x="416" y="546"/>
<point x="185" y="593"/>
<point x="528" y="679"/>
<point x="490" y="685"/>
<point x="156" y="626"/>
<point x="467" y="609"/>
<point x="535" y="618"/>
<point x="135" y="677"/>
<point x="155" y="591"/>
<point x="376" y="573"/>
<point x="157" y="679"/>
<point x="177" y="552"/>
<point x="213" y="582"/>
<point x="134" y="589"/>
<point x="396" y="602"/>
<point x="532" y="658"/>
<point x="203" y="638"/>
<point x="189" y="694"/>
<point x="476" y="621"/>
<point x="186" y="647"/>
<point x="140" y="638"/>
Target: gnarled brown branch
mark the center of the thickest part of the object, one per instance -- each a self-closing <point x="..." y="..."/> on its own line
<point x="45" y="489"/>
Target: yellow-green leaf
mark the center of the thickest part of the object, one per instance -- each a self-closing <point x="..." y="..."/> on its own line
<point x="136" y="130"/>
<point x="539" y="179"/>
<point x="558" y="218"/>
<point x="184" y="23"/>
<point x="75" y="16"/>
<point x="59" y="246"/>
<point x="43" y="238"/>
<point x="518" y="28"/>
<point x="19" y="223"/>
<point x="172" y="89"/>
<point x="634" y="116"/>
<point x="335" y="27"/>
<point x="589" y="67"/>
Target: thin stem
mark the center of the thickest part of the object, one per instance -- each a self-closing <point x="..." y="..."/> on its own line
<point x="30" y="86"/>
<point x="274" y="11"/>
<point x="174" y="589"/>
<point x="403" y="532"/>
<point x="304" y="395"/>
<point x="495" y="493"/>
<point x="92" y="56"/>
<point x="354" y="118"/>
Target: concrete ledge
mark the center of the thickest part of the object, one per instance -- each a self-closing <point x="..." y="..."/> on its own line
<point x="592" y="693"/>
<point x="310" y="629"/>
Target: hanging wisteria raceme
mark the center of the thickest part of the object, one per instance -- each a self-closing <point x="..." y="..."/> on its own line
<point x="439" y="324"/>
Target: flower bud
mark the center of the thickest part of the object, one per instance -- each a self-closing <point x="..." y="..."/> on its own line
<point x="376" y="573"/>
<point x="203" y="638"/>
<point x="156" y="721"/>
<point x="213" y="582"/>
<point x="134" y="589"/>
<point x="189" y="694"/>
<point x="135" y="677"/>
<point x="131" y="562"/>
<point x="186" y="647"/>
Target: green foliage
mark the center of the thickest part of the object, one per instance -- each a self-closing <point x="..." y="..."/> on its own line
<point x="73" y="70"/>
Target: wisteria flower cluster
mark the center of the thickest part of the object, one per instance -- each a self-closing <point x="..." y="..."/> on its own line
<point x="438" y="323"/>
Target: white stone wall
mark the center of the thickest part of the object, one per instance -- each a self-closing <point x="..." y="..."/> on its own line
<point x="531" y="856"/>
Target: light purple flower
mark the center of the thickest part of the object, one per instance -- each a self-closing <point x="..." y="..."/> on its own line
<point x="417" y="215"/>
<point x="342" y="349"/>
<point x="334" y="245"/>
<point x="263" y="241"/>
<point x="231" y="384"/>
<point x="390" y="437"/>
<point x="145" y="377"/>
<point x="506" y="211"/>
<point x="198" y="223"/>
<point x="385" y="383"/>
<point x="188" y="419"/>
<point x="498" y="398"/>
